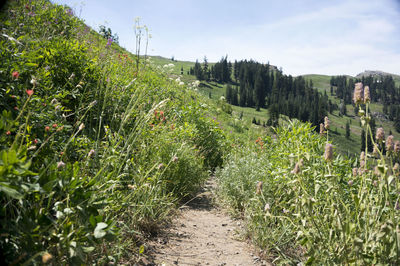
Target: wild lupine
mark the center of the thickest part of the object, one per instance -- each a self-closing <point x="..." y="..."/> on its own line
<point x="358" y="93"/>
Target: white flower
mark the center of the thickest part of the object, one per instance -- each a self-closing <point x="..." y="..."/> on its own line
<point x="181" y="83"/>
<point x="81" y="126"/>
<point x="60" y="164"/>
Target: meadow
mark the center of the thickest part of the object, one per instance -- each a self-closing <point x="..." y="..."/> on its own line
<point x="98" y="147"/>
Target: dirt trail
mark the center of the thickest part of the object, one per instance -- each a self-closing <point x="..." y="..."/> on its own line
<point x="202" y="234"/>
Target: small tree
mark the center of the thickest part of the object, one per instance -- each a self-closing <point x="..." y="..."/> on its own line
<point x="347" y="130"/>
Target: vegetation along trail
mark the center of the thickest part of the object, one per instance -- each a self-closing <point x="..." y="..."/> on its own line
<point x="202" y="234"/>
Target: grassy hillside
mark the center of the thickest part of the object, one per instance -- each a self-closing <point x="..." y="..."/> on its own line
<point x="96" y="149"/>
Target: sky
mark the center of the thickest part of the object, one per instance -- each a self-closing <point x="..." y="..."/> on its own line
<point x="331" y="37"/>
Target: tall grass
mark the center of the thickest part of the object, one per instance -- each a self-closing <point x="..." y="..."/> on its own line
<point x="95" y="150"/>
<point x="313" y="207"/>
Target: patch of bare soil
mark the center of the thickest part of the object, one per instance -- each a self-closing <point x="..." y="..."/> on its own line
<point x="201" y="234"/>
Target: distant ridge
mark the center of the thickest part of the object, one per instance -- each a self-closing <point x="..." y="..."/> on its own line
<point x="375" y="73"/>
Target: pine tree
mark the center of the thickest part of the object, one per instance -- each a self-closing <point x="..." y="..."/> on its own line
<point x="347" y="130"/>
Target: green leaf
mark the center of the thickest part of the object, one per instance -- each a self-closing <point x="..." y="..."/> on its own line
<point x="10" y="192"/>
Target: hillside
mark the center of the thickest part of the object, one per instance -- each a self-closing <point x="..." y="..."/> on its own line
<point x="101" y="150"/>
<point x="347" y="146"/>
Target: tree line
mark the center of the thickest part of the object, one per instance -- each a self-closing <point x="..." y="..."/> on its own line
<point x="257" y="85"/>
<point x="382" y="90"/>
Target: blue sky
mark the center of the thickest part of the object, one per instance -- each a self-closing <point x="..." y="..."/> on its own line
<point x="310" y="36"/>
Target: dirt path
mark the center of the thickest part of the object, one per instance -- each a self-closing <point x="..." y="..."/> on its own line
<point x="202" y="235"/>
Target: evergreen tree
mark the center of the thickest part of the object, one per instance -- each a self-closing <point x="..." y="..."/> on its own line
<point x="347" y="130"/>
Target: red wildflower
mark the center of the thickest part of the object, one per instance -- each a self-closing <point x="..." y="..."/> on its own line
<point x="13" y="96"/>
<point x="161" y="113"/>
<point x="15" y="74"/>
<point x="35" y="141"/>
<point x="54" y="125"/>
<point x="29" y="92"/>
<point x="15" y="108"/>
<point x="8" y="132"/>
<point x="47" y="128"/>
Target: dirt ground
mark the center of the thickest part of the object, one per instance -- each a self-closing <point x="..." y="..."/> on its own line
<point x="202" y="234"/>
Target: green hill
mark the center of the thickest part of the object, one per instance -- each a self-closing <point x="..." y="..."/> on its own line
<point x="98" y="147"/>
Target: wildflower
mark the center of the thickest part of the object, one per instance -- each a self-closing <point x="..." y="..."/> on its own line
<point x="362" y="163"/>
<point x="33" y="147"/>
<point x="175" y="159"/>
<point x="35" y="141"/>
<point x="259" y="187"/>
<point x="29" y="92"/>
<point x="375" y="183"/>
<point x="72" y="76"/>
<point x="109" y="41"/>
<point x="397" y="146"/>
<point x="131" y="187"/>
<point x="380" y="134"/>
<point x="328" y="152"/>
<point x="389" y="143"/>
<point x="367" y="96"/>
<point x="396" y="167"/>
<point x="160" y="166"/>
<point x="54" y="125"/>
<point x="326" y="123"/>
<point x="91" y="153"/>
<point x="54" y="101"/>
<point x="321" y="129"/>
<point x="358" y="93"/>
<point x="355" y="170"/>
<point x="16" y="108"/>
<point x="375" y="151"/>
<point x="8" y="133"/>
<point x="362" y="156"/>
<point x="267" y="207"/>
<point x="297" y="167"/>
<point x="60" y="164"/>
<point x="81" y="126"/>
<point x="13" y="96"/>
<point x="47" y="128"/>
<point x="34" y="82"/>
<point x="46" y="257"/>
<point x="350" y="182"/>
<point x="15" y="74"/>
